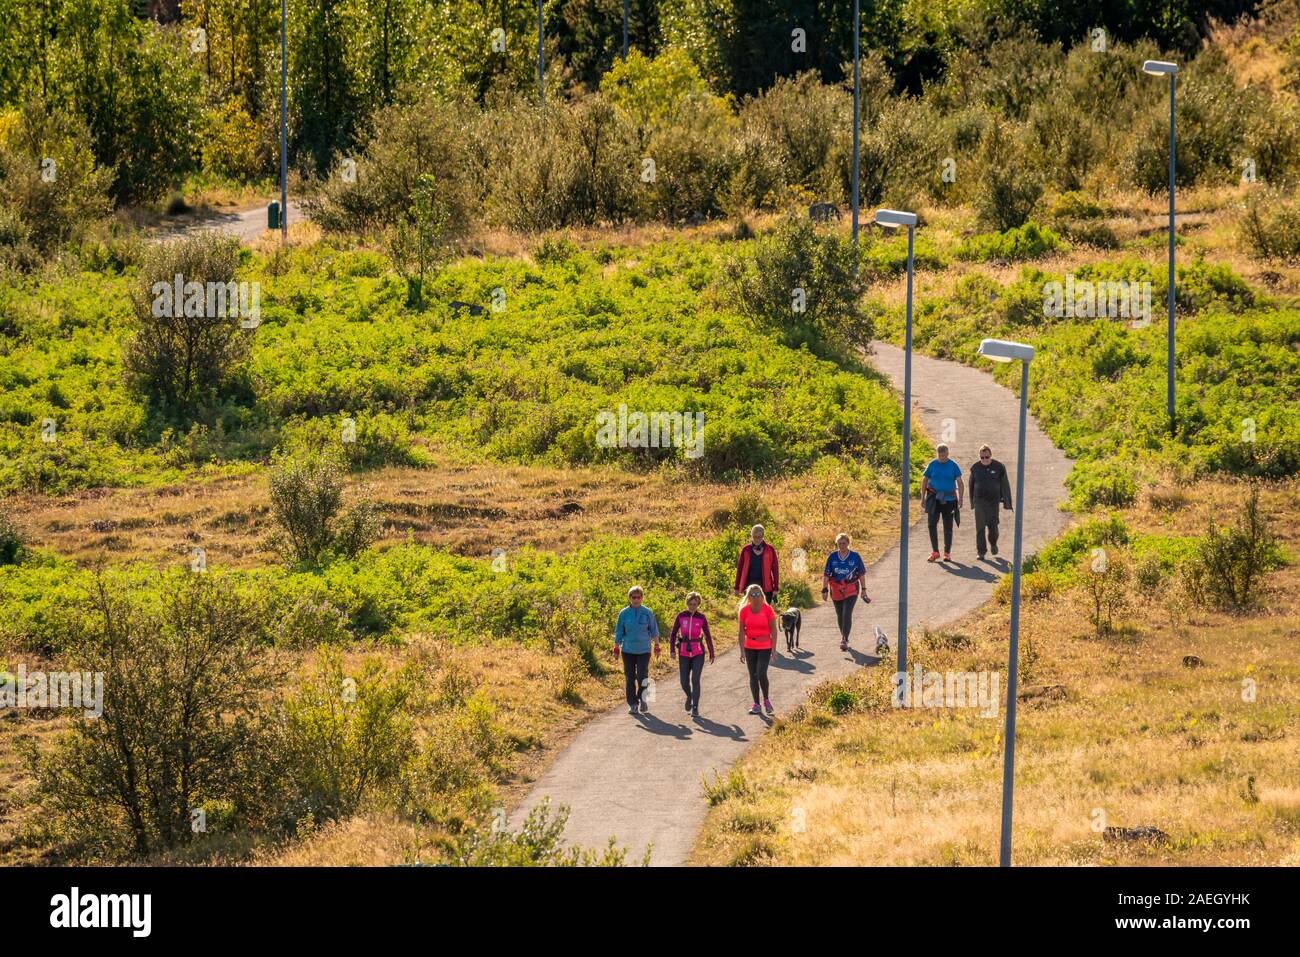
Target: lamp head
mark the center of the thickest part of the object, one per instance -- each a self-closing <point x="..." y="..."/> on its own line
<point x="1159" y="67"/>
<point x="894" y="218"/>
<point x="1000" y="350"/>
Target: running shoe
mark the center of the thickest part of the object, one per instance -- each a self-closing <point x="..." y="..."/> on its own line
<point x="768" y="706"/>
<point x="631" y="709"/>
<point x="695" y="712"/>
<point x="947" y="556"/>
<point x="688" y="703"/>
<point x="844" y="644"/>
<point x="756" y="709"/>
<point x="934" y="557"/>
<point x="644" y="707"/>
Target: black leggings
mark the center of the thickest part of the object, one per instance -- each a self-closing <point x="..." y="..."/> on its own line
<point x="757" y="660"/>
<point x="635" y="669"/>
<point x="945" y="509"/>
<point x="691" y="668"/>
<point x="844" y="614"/>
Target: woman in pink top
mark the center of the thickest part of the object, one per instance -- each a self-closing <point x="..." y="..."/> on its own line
<point x="757" y="642"/>
<point x="689" y="637"/>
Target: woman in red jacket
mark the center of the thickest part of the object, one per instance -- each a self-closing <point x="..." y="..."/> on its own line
<point x="757" y="565"/>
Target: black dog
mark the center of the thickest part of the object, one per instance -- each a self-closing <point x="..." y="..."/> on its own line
<point x="791" y="622"/>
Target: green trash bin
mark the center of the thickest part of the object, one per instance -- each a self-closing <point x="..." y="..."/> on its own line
<point x="273" y="215"/>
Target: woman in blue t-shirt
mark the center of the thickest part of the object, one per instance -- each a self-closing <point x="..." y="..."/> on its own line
<point x="842" y="580"/>
<point x="941" y="493"/>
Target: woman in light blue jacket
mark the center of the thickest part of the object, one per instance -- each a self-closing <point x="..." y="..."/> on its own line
<point x="634" y="632"/>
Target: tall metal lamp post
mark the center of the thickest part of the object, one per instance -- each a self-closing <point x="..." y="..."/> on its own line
<point x="1002" y="351"/>
<point x="1164" y="68"/>
<point x="894" y="218"/>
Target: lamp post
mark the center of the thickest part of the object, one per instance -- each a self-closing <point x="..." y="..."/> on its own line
<point x="893" y="218"/>
<point x="1001" y="351"/>
<point x="541" y="57"/>
<point x="625" y="29"/>
<point x="284" y="131"/>
<point x="857" y="32"/>
<point x="1164" y="68"/>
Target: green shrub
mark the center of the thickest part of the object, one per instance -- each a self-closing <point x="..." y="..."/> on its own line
<point x="48" y="205"/>
<point x="13" y="541"/>
<point x="1010" y="186"/>
<point x="1270" y="227"/>
<point x="1024" y="242"/>
<point x="802" y="282"/>
<point x="346" y="735"/>
<point x="179" y="355"/>
<point x="310" y="623"/>
<point x="1105" y="575"/>
<point x="307" y="508"/>
<point x="538" y="843"/>
<point x="184" y="680"/>
<point x="1111" y="485"/>
<point x="431" y="136"/>
<point x="1230" y="564"/>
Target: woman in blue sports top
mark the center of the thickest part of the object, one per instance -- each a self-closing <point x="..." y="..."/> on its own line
<point x="842" y="580"/>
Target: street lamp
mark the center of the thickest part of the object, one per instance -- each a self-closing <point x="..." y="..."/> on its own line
<point x="1001" y="351"/>
<point x="284" y="131"/>
<point x="624" y="30"/>
<point x="1164" y="68"/>
<point x="541" y="59"/>
<point x="857" y="33"/>
<point x="893" y="218"/>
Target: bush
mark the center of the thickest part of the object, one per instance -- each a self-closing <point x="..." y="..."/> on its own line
<point x="346" y="736"/>
<point x="1109" y="484"/>
<point x="432" y="136"/>
<point x="1270" y="227"/>
<point x="35" y="208"/>
<point x="310" y="623"/>
<point x="538" y="843"/>
<point x="1230" y="563"/>
<point x="803" y="282"/>
<point x="181" y="353"/>
<point x="306" y="502"/>
<point x="1105" y="576"/>
<point x="13" y="542"/>
<point x="1024" y="242"/>
<point x="184" y="678"/>
<point x="1010" y="186"/>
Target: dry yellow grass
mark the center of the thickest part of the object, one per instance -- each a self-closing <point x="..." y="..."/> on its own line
<point x="468" y="508"/>
<point x="1139" y="739"/>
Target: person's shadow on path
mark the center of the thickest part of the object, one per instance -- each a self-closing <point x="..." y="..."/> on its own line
<point x="974" y="573"/>
<point x="733" y="731"/>
<point x="658" y="726"/>
<point x="799" y="664"/>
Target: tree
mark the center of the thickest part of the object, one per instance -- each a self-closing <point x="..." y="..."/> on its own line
<point x="420" y="241"/>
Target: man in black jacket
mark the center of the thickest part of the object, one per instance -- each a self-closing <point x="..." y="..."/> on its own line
<point x="989" y="488"/>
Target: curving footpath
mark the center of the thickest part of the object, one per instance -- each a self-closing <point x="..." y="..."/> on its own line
<point x="638" y="779"/>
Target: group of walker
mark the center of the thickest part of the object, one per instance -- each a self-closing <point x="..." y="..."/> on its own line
<point x="758" y="576"/>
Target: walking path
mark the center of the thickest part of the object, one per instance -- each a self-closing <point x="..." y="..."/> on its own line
<point x="245" y="225"/>
<point x="638" y="778"/>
